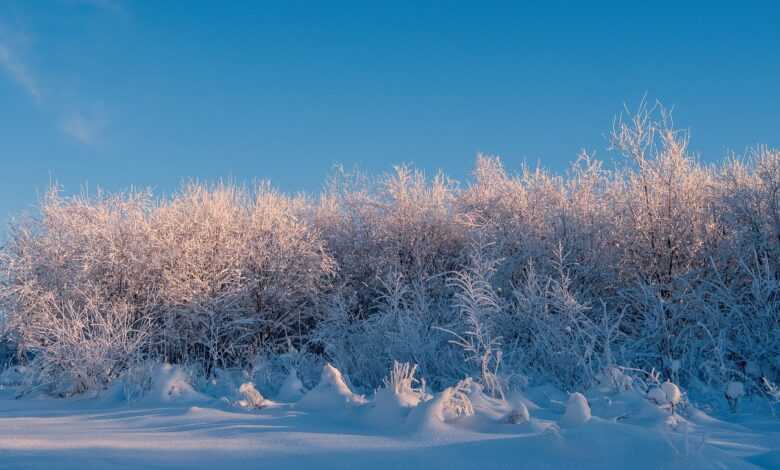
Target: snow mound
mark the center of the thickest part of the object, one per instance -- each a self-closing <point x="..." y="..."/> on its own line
<point x="331" y="393"/>
<point x="484" y="405"/>
<point x="432" y="415"/>
<point x="401" y="392"/>
<point x="613" y="378"/>
<point x="452" y="403"/>
<point x="170" y="383"/>
<point x="518" y="415"/>
<point x="520" y="408"/>
<point x="657" y="396"/>
<point x="292" y="388"/>
<point x="672" y="392"/>
<point x="577" y="410"/>
<point x="251" y="398"/>
<point x="223" y="383"/>
<point x="735" y="390"/>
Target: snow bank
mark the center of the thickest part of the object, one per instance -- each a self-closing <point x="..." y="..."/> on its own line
<point x="451" y="431"/>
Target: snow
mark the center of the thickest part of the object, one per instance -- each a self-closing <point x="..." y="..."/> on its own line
<point x="657" y="395"/>
<point x="735" y="390"/>
<point x="251" y="398"/>
<point x="625" y="430"/>
<point x="170" y="383"/>
<point x="292" y="388"/>
<point x="331" y="393"/>
<point x="220" y="424"/>
<point x="519" y="414"/>
<point x="672" y="392"/>
<point x="577" y="410"/>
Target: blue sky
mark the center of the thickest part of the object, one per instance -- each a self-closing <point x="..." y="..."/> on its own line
<point x="115" y="93"/>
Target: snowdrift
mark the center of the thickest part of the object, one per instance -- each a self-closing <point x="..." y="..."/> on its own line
<point x="331" y="394"/>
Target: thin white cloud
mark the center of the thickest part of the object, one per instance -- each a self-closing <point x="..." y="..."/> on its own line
<point x="84" y="125"/>
<point x="85" y="128"/>
<point x="18" y="71"/>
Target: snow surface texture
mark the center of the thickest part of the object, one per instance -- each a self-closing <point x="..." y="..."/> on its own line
<point x="175" y="426"/>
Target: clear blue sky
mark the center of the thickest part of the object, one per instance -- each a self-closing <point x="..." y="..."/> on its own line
<point x="116" y="93"/>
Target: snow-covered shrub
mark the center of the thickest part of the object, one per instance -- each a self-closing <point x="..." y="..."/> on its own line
<point x="78" y="286"/>
<point x="458" y="402"/>
<point x="734" y="392"/>
<point x="446" y="406"/>
<point x="478" y="304"/>
<point x="168" y="383"/>
<point x="657" y="395"/>
<point x="292" y="388"/>
<point x="402" y="387"/>
<point x="518" y="415"/>
<point x="331" y="394"/>
<point x="672" y="392"/>
<point x="401" y="392"/>
<point x="84" y="347"/>
<point x="660" y="262"/>
<point x="552" y="331"/>
<point x="405" y="325"/>
<point x="615" y="379"/>
<point x="399" y="225"/>
<point x="577" y="410"/>
<point x="251" y="398"/>
<point x="286" y="374"/>
<point x="210" y="277"/>
<point x="772" y="394"/>
<point x="242" y="272"/>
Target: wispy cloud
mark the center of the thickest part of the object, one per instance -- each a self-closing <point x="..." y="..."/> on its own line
<point x="13" y="66"/>
<point x="85" y="127"/>
<point x="84" y="124"/>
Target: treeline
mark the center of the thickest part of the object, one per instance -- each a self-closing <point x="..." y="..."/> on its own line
<point x="659" y="262"/>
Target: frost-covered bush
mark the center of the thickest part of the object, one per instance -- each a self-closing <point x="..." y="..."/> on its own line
<point x="77" y="288"/>
<point x="209" y="277"/>
<point x="406" y="325"/>
<point x="398" y="225"/>
<point x="241" y="272"/>
<point x="659" y="262"/>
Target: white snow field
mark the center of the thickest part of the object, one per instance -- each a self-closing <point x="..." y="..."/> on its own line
<point x="174" y="426"/>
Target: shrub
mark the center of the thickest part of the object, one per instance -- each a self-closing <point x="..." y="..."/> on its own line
<point x="660" y="262"/>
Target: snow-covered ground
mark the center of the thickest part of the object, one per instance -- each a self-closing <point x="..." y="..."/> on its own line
<point x="176" y="427"/>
